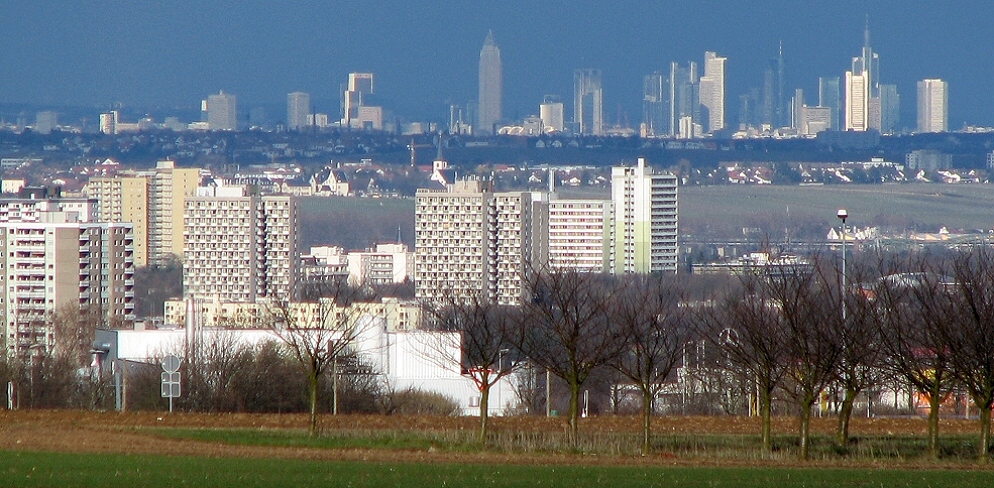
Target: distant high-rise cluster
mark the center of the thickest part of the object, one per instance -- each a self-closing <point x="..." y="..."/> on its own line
<point x="870" y="105"/>
<point x="471" y="241"/>
<point x="491" y="86"/>
<point x="358" y="112"/>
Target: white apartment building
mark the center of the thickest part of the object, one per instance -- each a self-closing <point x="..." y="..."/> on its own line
<point x="471" y="241"/>
<point x="384" y="264"/>
<point x="645" y="220"/>
<point x="53" y="256"/>
<point x="397" y="315"/>
<point x="579" y="235"/>
<point x="239" y="246"/>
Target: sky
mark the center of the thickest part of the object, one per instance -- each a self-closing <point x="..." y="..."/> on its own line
<point x="424" y="55"/>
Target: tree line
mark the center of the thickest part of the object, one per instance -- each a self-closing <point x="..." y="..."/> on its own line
<point x="794" y="335"/>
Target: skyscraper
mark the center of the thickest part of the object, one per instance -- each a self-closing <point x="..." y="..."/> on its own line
<point x="684" y="96"/>
<point x="654" y="101"/>
<point x="645" y="220"/>
<point x="828" y="96"/>
<point x="713" y="90"/>
<point x="221" y="112"/>
<point x="298" y="107"/>
<point x="491" y="85"/>
<point x="152" y="201"/>
<point x="588" y="102"/>
<point x="551" y="113"/>
<point x="857" y="101"/>
<point x="933" y="105"/>
<point x="862" y="89"/>
<point x="890" y="109"/>
<point x="775" y="111"/>
<point x="58" y="257"/>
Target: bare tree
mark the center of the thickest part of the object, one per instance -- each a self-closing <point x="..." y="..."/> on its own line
<point x="745" y="324"/>
<point x="859" y="339"/>
<point x="654" y="328"/>
<point x="211" y="368"/>
<point x="917" y="309"/>
<point x="810" y="315"/>
<point x="483" y="331"/>
<point x="971" y="335"/>
<point x="567" y="328"/>
<point x="320" y="328"/>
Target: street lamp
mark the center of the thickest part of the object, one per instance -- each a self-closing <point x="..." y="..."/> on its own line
<point x="500" y="373"/>
<point x="842" y="214"/>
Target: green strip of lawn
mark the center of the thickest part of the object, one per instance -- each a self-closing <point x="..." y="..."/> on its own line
<point x="68" y="470"/>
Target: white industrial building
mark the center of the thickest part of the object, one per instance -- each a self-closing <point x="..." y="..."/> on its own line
<point x="427" y="361"/>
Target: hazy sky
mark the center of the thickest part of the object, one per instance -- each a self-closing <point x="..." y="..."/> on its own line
<point x="424" y="54"/>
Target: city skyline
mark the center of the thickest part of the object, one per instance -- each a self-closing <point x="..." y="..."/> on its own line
<point x="261" y="65"/>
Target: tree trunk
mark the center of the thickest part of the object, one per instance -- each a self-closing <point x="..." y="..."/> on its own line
<point x="933" y="423"/>
<point x="765" y="411"/>
<point x="574" y="413"/>
<point x="484" y="410"/>
<point x="845" y="414"/>
<point x="647" y="404"/>
<point x="805" y="436"/>
<point x="985" y="432"/>
<point x="312" y="381"/>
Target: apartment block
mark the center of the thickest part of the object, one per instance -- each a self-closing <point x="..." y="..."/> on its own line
<point x="470" y="241"/>
<point x="54" y="257"/>
<point x="645" y="220"/>
<point x="239" y="246"/>
<point x="579" y="235"/>
<point x="384" y="264"/>
<point x="152" y="201"/>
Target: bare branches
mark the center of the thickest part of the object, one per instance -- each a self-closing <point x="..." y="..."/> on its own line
<point x="320" y="328"/>
<point x="567" y="327"/>
<point x="483" y="331"/>
<point x="653" y="327"/>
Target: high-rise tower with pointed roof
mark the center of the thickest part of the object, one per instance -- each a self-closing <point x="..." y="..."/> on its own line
<point x="491" y="86"/>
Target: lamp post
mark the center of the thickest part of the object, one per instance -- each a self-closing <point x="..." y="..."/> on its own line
<point x="842" y="214"/>
<point x="500" y="373"/>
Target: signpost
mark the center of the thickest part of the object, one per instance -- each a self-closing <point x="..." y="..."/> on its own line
<point x="170" y="379"/>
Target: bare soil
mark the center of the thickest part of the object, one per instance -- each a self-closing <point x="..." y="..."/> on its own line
<point x="127" y="433"/>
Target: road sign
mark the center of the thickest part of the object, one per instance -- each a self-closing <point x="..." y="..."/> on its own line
<point x="170" y="364"/>
<point x="170" y="385"/>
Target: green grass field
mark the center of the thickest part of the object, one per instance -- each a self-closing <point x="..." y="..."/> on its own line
<point x="955" y="449"/>
<point x="31" y="469"/>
